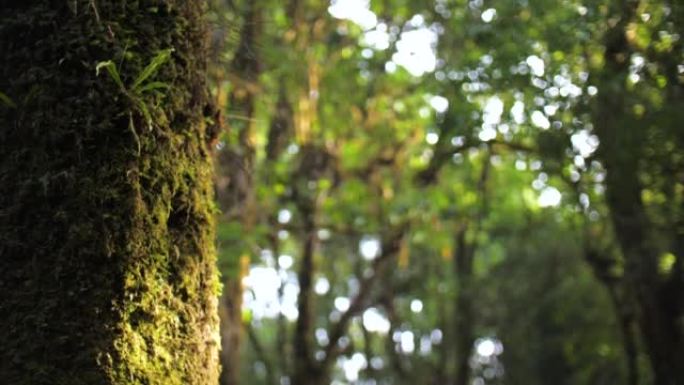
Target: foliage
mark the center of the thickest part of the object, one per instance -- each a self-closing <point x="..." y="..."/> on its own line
<point x="351" y="140"/>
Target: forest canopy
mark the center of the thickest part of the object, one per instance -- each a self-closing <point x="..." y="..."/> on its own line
<point x="451" y="192"/>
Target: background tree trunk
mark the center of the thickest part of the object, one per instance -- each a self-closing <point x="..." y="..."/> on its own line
<point x="230" y="311"/>
<point x="621" y="151"/>
<point x="237" y="198"/>
<point x="464" y="317"/>
<point x="107" y="263"/>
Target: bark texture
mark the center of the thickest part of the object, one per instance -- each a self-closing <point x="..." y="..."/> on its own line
<point x="107" y="262"/>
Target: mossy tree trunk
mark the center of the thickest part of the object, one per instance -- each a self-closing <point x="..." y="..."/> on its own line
<point x="107" y="263"/>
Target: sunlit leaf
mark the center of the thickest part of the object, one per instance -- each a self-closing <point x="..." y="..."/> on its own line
<point x="156" y="62"/>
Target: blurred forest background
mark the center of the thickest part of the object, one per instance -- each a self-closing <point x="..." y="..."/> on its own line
<point x="447" y="192"/>
<point x="451" y="192"/>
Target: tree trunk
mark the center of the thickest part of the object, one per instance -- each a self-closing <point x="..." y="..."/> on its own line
<point x="107" y="261"/>
<point x="464" y="256"/>
<point x="230" y="313"/>
<point x="620" y="151"/>
<point x="603" y="265"/>
<point x="305" y="372"/>
<point x="237" y="198"/>
<point x="464" y="316"/>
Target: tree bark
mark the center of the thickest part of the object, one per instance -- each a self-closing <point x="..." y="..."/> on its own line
<point x="107" y="263"/>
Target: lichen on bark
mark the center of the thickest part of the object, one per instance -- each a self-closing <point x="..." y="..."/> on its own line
<point x="107" y="260"/>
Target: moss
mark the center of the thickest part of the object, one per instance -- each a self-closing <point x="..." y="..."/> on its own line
<point x="106" y="230"/>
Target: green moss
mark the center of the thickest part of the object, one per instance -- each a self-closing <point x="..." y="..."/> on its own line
<point x="107" y="242"/>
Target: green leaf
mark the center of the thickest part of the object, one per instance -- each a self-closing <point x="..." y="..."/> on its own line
<point x="7" y="100"/>
<point x="161" y="58"/>
<point x="152" y="86"/>
<point x="113" y="72"/>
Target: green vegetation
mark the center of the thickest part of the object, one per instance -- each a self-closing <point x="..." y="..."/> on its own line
<point x="451" y="192"/>
<point x="137" y="88"/>
<point x="460" y="192"/>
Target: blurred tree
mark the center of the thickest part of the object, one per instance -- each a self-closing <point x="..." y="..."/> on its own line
<point x="372" y="128"/>
<point x="235" y="170"/>
<point x="636" y="138"/>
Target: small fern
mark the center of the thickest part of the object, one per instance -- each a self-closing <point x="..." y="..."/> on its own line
<point x="139" y="85"/>
<point x="157" y="61"/>
<point x="113" y="72"/>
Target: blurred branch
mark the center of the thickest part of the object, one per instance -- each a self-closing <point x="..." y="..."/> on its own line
<point x="395" y="358"/>
<point x="444" y="153"/>
<point x="359" y="303"/>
